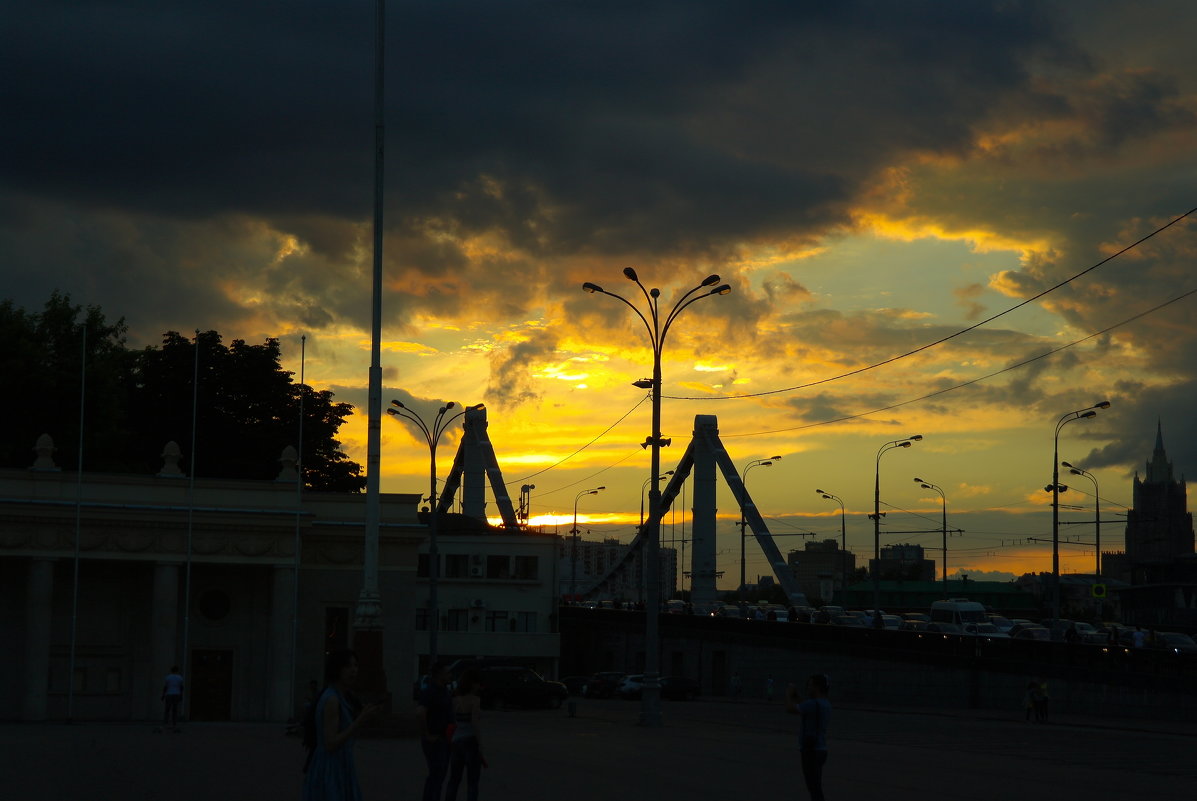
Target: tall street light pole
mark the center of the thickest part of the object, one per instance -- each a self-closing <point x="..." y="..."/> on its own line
<point x="650" y="696"/>
<point x="1077" y="471"/>
<point x="573" y="559"/>
<point x="889" y="446"/>
<point x="367" y="617"/>
<point x="843" y="538"/>
<point x="944" y="499"/>
<point x="432" y="436"/>
<point x="1079" y="414"/>
<point x="743" y="520"/>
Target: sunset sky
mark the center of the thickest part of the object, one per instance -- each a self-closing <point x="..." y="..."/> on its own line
<point x="869" y="177"/>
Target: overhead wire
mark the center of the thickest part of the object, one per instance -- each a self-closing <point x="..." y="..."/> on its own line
<point x="942" y="340"/>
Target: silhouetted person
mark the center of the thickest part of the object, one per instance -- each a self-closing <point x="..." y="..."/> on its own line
<point x="465" y="748"/>
<point x="434" y="714"/>
<point x="172" y="698"/>
<point x="335" y="719"/>
<point x="815" y="712"/>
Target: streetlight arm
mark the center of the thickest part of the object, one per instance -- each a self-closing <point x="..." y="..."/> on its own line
<point x="630" y="305"/>
<point x="410" y="417"/>
<point x="678" y="310"/>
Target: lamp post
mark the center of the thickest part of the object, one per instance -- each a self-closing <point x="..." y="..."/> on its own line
<point x="889" y="446"/>
<point x="843" y="538"/>
<point x="1079" y="414"/>
<point x="944" y="499"/>
<point x="573" y="559"/>
<point x="526" y="502"/>
<point x="1077" y="471"/>
<point x="644" y="486"/>
<point x="658" y="329"/>
<point x="432" y="435"/>
<point x="743" y="520"/>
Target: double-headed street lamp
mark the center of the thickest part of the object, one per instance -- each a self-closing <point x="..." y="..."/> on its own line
<point x="573" y="559"/>
<point x="1078" y="471"/>
<point x="843" y="538"/>
<point x="432" y="436"/>
<point x="889" y="446"/>
<point x="1054" y="488"/>
<point x="743" y="521"/>
<point x="944" y="498"/>
<point x="658" y="328"/>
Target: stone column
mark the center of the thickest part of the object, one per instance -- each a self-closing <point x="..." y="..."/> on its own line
<point x="164" y="635"/>
<point x="280" y="692"/>
<point x="39" y="605"/>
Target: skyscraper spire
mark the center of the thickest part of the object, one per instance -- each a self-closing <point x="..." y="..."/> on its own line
<point x="1159" y="469"/>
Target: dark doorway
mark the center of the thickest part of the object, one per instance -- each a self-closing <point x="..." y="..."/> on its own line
<point x="211" y="685"/>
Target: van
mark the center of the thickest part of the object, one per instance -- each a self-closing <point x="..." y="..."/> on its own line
<point x="959" y="611"/>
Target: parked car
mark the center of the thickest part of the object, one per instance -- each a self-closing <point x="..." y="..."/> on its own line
<point x="1032" y="633"/>
<point x="925" y="618"/>
<point x="519" y="686"/>
<point x="1176" y="642"/>
<point x="914" y="625"/>
<point x="1003" y="624"/>
<point x="987" y="630"/>
<point x="942" y="627"/>
<point x="847" y="620"/>
<point x="891" y="622"/>
<point x="631" y="686"/>
<point x="679" y="688"/>
<point x="604" y="684"/>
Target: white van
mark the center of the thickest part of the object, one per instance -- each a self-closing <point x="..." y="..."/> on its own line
<point x="960" y="611"/>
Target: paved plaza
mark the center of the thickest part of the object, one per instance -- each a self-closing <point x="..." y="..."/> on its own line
<point x="707" y="750"/>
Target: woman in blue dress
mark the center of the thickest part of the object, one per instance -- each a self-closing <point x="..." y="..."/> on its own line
<point x="331" y="775"/>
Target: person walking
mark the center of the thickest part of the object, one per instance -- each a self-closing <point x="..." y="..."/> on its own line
<point x="815" y="713"/>
<point x="335" y="719"/>
<point x="465" y="748"/>
<point x="172" y="698"/>
<point x="434" y="713"/>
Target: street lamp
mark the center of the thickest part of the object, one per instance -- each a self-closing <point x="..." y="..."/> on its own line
<point x="1079" y="414"/>
<point x="432" y="436"/>
<point x="658" y="329"/>
<point x="889" y="446"/>
<point x="573" y="559"/>
<point x="944" y="498"/>
<point x="644" y="486"/>
<point x="843" y="538"/>
<point x="743" y="521"/>
<point x="526" y="502"/>
<point x="1077" y="471"/>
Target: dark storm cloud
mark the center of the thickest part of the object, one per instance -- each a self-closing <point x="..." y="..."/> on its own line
<point x="611" y="127"/>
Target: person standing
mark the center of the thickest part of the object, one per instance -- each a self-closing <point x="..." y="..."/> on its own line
<point x="172" y="698"/>
<point x="434" y="713"/>
<point x="465" y="748"/>
<point x="815" y="713"/>
<point x="331" y="774"/>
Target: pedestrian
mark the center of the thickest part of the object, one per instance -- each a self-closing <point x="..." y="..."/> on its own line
<point x="769" y="688"/>
<point x="434" y="713"/>
<point x="1028" y="699"/>
<point x="334" y="721"/>
<point x="815" y="713"/>
<point x="465" y="748"/>
<point x="735" y="686"/>
<point x="1040" y="699"/>
<point x="1138" y="639"/>
<point x="172" y="698"/>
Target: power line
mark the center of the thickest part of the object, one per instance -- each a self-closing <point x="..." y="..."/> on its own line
<point x="604" y="433"/>
<point x="970" y="382"/>
<point x="942" y="340"/>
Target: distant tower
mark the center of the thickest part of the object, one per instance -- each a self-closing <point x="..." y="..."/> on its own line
<point x="1159" y="527"/>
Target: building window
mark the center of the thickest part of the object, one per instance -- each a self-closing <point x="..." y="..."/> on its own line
<point x="421" y="620"/>
<point x="498" y="567"/>
<point x="336" y="629"/>
<point x="458" y="620"/>
<point x="457" y="565"/>
<point x="214" y="605"/>
<point x="524" y="621"/>
<point x="496" y="621"/>
<point x="112" y="680"/>
<point x="527" y="567"/>
<point x="422" y="566"/>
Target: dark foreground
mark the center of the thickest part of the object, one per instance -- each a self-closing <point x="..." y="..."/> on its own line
<point x="707" y="750"/>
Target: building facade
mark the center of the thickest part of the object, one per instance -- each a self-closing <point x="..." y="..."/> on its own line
<point x="822" y="568"/>
<point x="107" y="581"/>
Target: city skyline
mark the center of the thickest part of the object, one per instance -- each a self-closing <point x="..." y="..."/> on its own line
<point x="868" y="178"/>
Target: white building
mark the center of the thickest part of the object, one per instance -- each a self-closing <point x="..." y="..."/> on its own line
<point x="204" y="577"/>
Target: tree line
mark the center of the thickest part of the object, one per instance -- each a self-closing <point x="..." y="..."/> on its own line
<point x="135" y="401"/>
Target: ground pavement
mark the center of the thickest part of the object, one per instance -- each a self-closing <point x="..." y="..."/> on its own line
<point x="706" y="750"/>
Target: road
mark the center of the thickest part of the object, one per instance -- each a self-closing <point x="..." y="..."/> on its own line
<point x="707" y="750"/>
